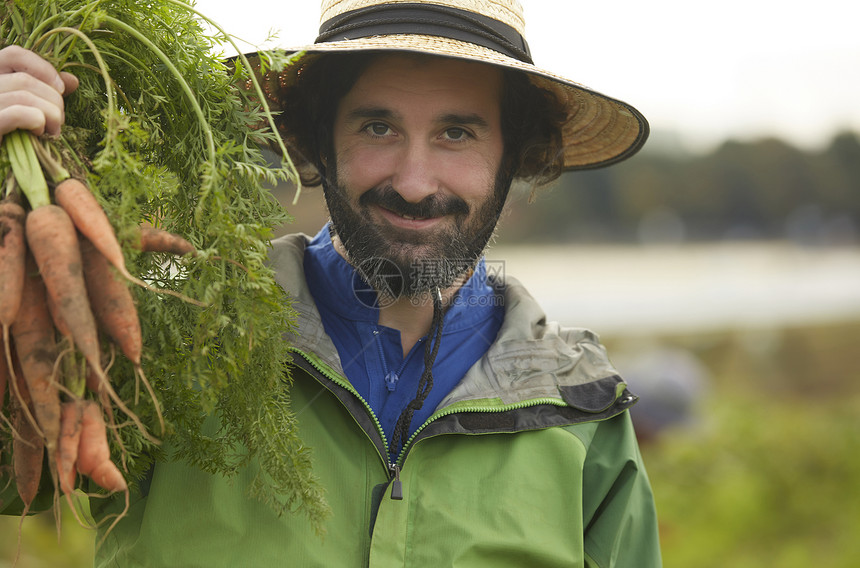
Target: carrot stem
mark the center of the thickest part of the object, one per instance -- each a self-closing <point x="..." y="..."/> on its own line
<point x="183" y="84"/>
<point x="109" y="94"/>
<point x="52" y="167"/>
<point x="25" y="165"/>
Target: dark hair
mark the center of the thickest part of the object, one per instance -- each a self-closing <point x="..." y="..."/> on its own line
<point x="532" y="118"/>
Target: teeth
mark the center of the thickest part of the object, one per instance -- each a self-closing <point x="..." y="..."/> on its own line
<point x="408" y="217"/>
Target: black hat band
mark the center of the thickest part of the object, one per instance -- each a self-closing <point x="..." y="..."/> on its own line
<point x="426" y="19"/>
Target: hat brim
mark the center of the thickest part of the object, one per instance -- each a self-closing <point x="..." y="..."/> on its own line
<point x="600" y="130"/>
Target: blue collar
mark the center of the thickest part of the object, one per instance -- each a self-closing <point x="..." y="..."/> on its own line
<point x="323" y="264"/>
<point x="372" y="355"/>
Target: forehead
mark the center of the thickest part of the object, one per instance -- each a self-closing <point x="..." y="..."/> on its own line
<point x="429" y="82"/>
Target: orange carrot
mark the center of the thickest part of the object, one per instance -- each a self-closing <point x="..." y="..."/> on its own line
<point x="74" y="197"/>
<point x="67" y="450"/>
<point x="27" y="449"/>
<point x="53" y="241"/>
<point x="57" y="318"/>
<point x="115" y="311"/>
<point x="158" y="240"/>
<point x="89" y="218"/>
<point x="94" y="453"/>
<point x="111" y="301"/>
<point x="93" y="380"/>
<point x="12" y="251"/>
<point x="54" y="245"/>
<point x="36" y="349"/>
<point x="11" y="260"/>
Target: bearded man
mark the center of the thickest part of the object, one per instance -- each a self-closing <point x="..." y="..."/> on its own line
<point x="451" y="424"/>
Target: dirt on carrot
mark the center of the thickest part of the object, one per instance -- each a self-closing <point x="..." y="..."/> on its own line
<point x="27" y="447"/>
<point x="52" y="239"/>
<point x="111" y="301"/>
<point x="11" y="259"/>
<point x="33" y="334"/>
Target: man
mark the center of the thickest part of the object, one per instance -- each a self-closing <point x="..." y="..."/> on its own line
<point x="450" y="424"/>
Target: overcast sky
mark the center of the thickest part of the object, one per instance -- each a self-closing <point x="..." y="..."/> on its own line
<point x="706" y="71"/>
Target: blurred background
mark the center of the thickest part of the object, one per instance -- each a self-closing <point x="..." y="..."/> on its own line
<point x="720" y="265"/>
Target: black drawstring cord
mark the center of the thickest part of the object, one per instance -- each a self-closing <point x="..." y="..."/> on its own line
<point x="431" y="349"/>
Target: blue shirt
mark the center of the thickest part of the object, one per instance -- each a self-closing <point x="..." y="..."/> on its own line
<point x="372" y="355"/>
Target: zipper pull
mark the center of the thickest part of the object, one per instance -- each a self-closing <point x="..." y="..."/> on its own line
<point x="391" y="381"/>
<point x="396" y="486"/>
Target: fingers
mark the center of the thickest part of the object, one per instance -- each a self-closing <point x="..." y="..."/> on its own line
<point x="31" y="92"/>
<point x="15" y="59"/>
<point x="21" y="117"/>
<point x="28" y="104"/>
<point x="70" y="82"/>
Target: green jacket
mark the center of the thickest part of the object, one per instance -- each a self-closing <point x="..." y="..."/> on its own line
<point x="531" y="461"/>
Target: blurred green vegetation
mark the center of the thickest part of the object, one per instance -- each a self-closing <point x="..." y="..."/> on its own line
<point x="767" y="482"/>
<point x="769" y="472"/>
<point x="42" y="545"/>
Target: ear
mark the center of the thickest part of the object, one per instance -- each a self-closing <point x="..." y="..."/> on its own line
<point x="323" y="147"/>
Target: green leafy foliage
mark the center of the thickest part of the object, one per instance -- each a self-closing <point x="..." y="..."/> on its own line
<point x="768" y="472"/>
<point x="769" y="483"/>
<point x="163" y="137"/>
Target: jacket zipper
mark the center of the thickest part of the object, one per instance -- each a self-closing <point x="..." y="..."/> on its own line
<point x="483" y="409"/>
<point x="393" y="469"/>
<point x="396" y="486"/>
<point x="395" y="466"/>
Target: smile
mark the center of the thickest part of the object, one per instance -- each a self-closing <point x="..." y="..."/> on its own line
<point x="404" y="221"/>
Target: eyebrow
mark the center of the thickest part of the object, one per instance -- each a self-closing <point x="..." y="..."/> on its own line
<point x="465" y="119"/>
<point x="470" y="119"/>
<point x="369" y="112"/>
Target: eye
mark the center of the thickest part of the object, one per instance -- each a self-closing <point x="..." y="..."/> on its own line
<point x="455" y="134"/>
<point x="378" y="129"/>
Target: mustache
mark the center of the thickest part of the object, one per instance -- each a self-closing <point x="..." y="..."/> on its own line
<point x="435" y="205"/>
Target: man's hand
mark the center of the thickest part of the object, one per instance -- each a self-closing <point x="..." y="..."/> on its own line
<point x="31" y="93"/>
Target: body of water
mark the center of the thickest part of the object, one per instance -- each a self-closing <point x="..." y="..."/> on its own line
<point x="614" y="290"/>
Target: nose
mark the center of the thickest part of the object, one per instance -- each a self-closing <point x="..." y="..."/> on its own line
<point x="414" y="175"/>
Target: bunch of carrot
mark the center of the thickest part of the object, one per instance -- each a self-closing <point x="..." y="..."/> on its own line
<point x="62" y="278"/>
<point x="159" y="133"/>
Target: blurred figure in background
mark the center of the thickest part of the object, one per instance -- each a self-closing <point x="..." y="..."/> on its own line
<point x="671" y="383"/>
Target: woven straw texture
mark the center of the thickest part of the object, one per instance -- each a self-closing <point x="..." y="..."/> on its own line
<point x="599" y="131"/>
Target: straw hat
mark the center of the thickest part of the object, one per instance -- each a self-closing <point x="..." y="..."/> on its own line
<point x="599" y="131"/>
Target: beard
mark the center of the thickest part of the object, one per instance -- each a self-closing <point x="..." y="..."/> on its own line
<point x="398" y="262"/>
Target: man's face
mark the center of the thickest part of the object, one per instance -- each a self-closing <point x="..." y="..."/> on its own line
<point x="418" y="149"/>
